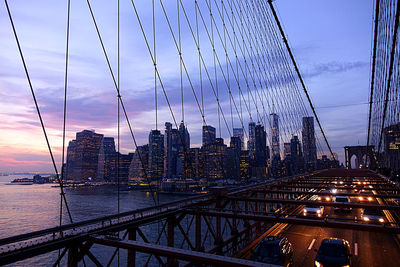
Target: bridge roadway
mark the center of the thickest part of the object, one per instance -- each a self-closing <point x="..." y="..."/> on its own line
<point x="372" y="245"/>
<point x="368" y="248"/>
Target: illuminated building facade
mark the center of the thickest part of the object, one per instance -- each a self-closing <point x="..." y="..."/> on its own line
<point x="156" y="155"/>
<point x="83" y="156"/>
<point x="309" y="146"/>
<point x="275" y="137"/>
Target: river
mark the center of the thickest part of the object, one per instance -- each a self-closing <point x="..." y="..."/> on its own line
<point x="27" y="208"/>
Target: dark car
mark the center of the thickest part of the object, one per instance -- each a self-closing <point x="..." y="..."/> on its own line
<point x="344" y="200"/>
<point x="333" y="252"/>
<point x="274" y="250"/>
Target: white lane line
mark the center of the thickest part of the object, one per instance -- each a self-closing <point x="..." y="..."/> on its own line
<point x="355" y="249"/>
<point x="312" y="244"/>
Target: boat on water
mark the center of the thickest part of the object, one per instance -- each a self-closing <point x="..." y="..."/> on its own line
<point x="22" y="181"/>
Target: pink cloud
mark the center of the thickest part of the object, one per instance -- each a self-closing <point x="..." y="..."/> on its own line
<point x="12" y="162"/>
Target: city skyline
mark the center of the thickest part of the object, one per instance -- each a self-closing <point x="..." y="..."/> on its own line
<point x="321" y="56"/>
<point x="92" y="157"/>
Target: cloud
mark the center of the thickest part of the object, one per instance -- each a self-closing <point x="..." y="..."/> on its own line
<point x="333" y="67"/>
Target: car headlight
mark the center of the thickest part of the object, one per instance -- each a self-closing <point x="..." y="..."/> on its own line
<point x="328" y="198"/>
<point x="366" y="219"/>
<point x="305" y="211"/>
<point x="370" y="198"/>
<point x="346" y="266"/>
<point x="319" y="198"/>
<point x="318" y="264"/>
<point x="381" y="220"/>
<point x="318" y="211"/>
<point x="360" y="198"/>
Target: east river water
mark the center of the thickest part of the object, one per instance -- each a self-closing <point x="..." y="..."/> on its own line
<point x="27" y="208"/>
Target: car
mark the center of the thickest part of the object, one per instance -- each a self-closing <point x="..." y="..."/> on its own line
<point x="333" y="189"/>
<point x="342" y="199"/>
<point x="325" y="196"/>
<point x="313" y="211"/>
<point x="372" y="216"/>
<point x="364" y="196"/>
<point x="357" y="188"/>
<point x="274" y="250"/>
<point x="333" y="252"/>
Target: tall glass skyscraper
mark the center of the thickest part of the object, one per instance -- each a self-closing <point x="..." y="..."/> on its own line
<point x="238" y="132"/>
<point x="309" y="147"/>
<point x="275" y="136"/>
<point x="156" y="155"/>
<point x="208" y="135"/>
<point x="251" y="143"/>
<point x="107" y="166"/>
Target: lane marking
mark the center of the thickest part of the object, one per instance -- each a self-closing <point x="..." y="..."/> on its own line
<point x="355" y="249"/>
<point x="311" y="245"/>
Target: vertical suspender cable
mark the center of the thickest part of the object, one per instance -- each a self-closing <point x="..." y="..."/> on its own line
<point x="65" y="104"/>
<point x="118" y="110"/>
<point x="155" y="64"/>
<point x="118" y="113"/>
<point x="198" y="49"/>
<point x="155" y="83"/>
<point x="64" y="112"/>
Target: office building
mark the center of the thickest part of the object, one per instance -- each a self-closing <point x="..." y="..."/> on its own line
<point x="238" y="132"/>
<point x="108" y="160"/>
<point x="275" y="137"/>
<point x="156" y="155"/>
<point x="208" y="135"/>
<point x="309" y="146"/>
<point x="83" y="156"/>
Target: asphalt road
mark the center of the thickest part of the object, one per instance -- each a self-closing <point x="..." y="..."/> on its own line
<point x="368" y="248"/>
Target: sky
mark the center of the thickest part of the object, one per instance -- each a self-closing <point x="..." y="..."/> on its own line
<point x="331" y="41"/>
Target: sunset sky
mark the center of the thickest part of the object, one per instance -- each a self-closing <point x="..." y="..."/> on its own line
<point x="331" y="41"/>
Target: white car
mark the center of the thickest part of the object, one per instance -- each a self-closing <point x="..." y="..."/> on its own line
<point x="325" y="196"/>
<point x="372" y="216"/>
<point x="313" y="211"/>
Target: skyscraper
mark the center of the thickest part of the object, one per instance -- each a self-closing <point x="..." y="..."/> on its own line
<point x="176" y="151"/>
<point x="233" y="158"/>
<point x="286" y="150"/>
<point x="83" y="156"/>
<point x="309" y="147"/>
<point x="238" y="132"/>
<point x="108" y="159"/>
<point x="138" y="168"/>
<point x="391" y="148"/>
<point x="260" y="160"/>
<point x="296" y="155"/>
<point x="251" y="143"/>
<point x="183" y="166"/>
<point x="156" y="155"/>
<point x="213" y="156"/>
<point x="275" y="136"/>
<point x="124" y="165"/>
<point x="208" y="135"/>
<point x="168" y="150"/>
